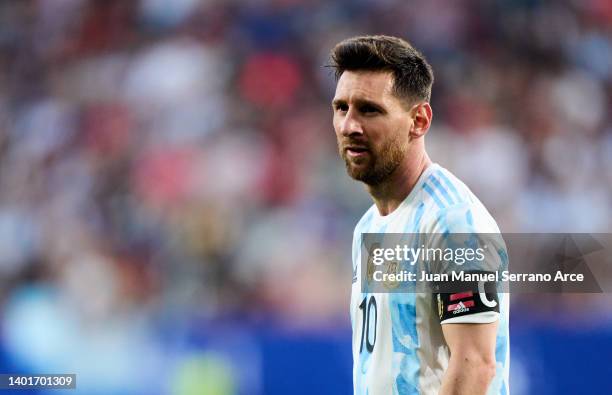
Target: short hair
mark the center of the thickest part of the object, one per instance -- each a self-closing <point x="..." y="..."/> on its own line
<point x="413" y="76"/>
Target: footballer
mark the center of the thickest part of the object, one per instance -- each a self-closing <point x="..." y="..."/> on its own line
<point x="411" y="343"/>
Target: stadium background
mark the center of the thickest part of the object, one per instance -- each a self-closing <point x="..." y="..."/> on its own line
<point x="173" y="215"/>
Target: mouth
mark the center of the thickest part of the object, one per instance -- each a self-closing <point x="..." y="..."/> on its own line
<point x="355" y="151"/>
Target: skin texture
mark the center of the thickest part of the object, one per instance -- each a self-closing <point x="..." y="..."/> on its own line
<point x="381" y="140"/>
<point x="367" y="115"/>
<point x="472" y="363"/>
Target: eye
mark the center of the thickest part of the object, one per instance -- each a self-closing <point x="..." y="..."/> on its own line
<point x="342" y="107"/>
<point x="368" y="109"/>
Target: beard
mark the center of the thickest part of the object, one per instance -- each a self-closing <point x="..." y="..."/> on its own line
<point x="376" y="167"/>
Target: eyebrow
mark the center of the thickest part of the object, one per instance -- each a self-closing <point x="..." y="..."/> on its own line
<point x="358" y="102"/>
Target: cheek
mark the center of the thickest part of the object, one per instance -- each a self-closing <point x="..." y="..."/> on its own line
<point x="383" y="136"/>
<point x="336" y="125"/>
<point x="401" y="130"/>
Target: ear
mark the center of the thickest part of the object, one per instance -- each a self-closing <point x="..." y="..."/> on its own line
<point x="421" y="118"/>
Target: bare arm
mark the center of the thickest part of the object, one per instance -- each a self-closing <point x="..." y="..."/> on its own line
<point x="472" y="362"/>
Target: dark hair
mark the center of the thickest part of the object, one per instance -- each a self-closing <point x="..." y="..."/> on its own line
<point x="413" y="76"/>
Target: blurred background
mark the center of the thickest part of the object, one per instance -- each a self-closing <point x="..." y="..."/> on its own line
<point x="174" y="218"/>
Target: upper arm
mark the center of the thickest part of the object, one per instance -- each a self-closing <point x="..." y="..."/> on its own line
<point x="476" y="342"/>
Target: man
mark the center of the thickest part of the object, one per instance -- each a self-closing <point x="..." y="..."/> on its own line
<point x="407" y="343"/>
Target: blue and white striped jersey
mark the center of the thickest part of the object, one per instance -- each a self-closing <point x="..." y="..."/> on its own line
<point x="405" y="351"/>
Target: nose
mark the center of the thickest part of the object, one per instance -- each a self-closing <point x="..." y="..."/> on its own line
<point x="350" y="125"/>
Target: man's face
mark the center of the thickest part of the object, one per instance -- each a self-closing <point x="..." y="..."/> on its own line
<point x="372" y="126"/>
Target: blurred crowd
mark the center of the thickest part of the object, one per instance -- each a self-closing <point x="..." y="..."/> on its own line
<point x="165" y="163"/>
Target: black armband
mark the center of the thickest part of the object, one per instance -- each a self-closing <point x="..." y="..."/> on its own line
<point x="465" y="298"/>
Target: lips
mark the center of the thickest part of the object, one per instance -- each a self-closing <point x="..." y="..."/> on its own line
<point x="356" y="150"/>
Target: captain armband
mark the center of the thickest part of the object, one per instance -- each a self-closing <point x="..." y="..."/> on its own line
<point x="467" y="301"/>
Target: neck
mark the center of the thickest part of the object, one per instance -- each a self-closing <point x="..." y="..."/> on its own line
<point x="389" y="194"/>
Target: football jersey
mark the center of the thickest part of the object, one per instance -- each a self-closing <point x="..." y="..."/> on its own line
<point x="398" y="345"/>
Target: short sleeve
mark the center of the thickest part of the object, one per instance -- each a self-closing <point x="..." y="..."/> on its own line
<point x="468" y="253"/>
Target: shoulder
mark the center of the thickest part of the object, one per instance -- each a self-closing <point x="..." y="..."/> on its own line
<point x="362" y="226"/>
<point x="444" y="189"/>
<point x="464" y="218"/>
<point x="364" y="222"/>
<point x="453" y="207"/>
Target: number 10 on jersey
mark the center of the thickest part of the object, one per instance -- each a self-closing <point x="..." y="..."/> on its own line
<point x="369" y="312"/>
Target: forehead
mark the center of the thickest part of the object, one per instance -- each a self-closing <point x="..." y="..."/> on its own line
<point x="365" y="85"/>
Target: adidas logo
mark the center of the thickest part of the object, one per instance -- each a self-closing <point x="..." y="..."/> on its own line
<point x="460" y="308"/>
